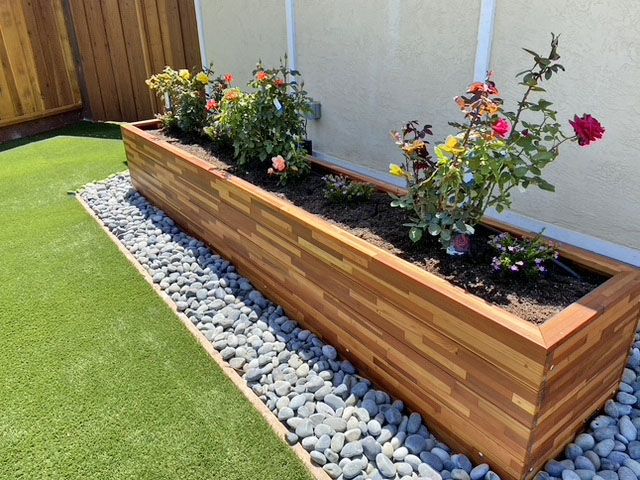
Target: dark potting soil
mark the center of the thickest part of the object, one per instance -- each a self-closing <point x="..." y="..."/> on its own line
<point x="380" y="224"/>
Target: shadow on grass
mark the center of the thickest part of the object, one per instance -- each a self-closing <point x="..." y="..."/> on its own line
<point x="106" y="130"/>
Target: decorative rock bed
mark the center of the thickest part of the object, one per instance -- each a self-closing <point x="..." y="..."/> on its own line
<point x="350" y="429"/>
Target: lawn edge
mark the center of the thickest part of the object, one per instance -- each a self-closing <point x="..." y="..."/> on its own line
<point x="275" y="424"/>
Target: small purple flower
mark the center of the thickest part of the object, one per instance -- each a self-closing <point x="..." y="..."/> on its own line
<point x="521" y="255"/>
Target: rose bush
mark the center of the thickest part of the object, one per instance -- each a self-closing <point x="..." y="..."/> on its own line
<point x="189" y="98"/>
<point x="492" y="152"/>
<point x="268" y="121"/>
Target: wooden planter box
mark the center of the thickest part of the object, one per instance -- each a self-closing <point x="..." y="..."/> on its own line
<point x="490" y="384"/>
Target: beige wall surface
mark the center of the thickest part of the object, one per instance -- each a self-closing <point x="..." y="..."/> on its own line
<point x="374" y="64"/>
<point x="597" y="189"/>
<point x="237" y="33"/>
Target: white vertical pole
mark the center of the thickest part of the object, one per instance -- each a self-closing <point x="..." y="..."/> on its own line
<point x="292" y="51"/>
<point x="197" y="4"/>
<point x="485" y="38"/>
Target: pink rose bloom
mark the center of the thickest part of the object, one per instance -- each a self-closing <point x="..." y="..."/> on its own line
<point x="212" y="105"/>
<point x="279" y="163"/>
<point x="587" y="129"/>
<point x="502" y="128"/>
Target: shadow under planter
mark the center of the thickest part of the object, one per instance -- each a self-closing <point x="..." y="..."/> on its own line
<point x="490" y="384"/>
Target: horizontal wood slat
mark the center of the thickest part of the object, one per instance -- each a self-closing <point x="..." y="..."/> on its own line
<point x="501" y="389"/>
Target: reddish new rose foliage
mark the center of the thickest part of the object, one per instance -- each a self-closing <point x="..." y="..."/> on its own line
<point x="587" y="129"/>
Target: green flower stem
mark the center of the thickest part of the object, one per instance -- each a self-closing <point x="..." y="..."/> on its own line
<point x="522" y="102"/>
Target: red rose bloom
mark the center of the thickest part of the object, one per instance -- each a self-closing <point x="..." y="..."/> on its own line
<point x="212" y="105"/>
<point x="502" y="128"/>
<point x="262" y="76"/>
<point x="280" y="83"/>
<point x="228" y="78"/>
<point x="587" y="129"/>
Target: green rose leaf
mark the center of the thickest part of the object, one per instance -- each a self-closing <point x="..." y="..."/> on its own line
<point x="434" y="229"/>
<point x="415" y="234"/>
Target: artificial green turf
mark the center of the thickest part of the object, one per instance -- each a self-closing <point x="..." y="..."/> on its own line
<point x="98" y="378"/>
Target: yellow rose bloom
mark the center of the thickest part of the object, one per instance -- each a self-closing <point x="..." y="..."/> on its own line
<point x="396" y="170"/>
<point x="203" y="78"/>
<point x="451" y="145"/>
<point x="418" y="147"/>
<point x="184" y="74"/>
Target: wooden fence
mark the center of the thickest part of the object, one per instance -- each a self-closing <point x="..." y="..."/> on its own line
<point x="38" y="76"/>
<point x="57" y="56"/>
<point x="123" y="42"/>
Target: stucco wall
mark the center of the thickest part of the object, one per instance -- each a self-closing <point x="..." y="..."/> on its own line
<point x="597" y="189"/>
<point x="239" y="32"/>
<point x="374" y="64"/>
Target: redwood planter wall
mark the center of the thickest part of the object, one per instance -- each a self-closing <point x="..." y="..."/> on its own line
<point x="489" y="383"/>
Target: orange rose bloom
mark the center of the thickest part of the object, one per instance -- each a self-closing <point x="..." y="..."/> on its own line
<point x="462" y="104"/>
<point x="480" y="87"/>
<point x="490" y="109"/>
<point x="279" y="163"/>
<point x="477" y="87"/>
<point x="262" y="76"/>
<point x="232" y="96"/>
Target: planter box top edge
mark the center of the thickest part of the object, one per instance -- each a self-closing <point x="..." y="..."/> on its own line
<point x="580" y="313"/>
<point x="546" y="335"/>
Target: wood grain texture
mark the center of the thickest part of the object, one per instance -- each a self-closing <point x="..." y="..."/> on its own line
<point x="39" y="125"/>
<point x="491" y="384"/>
<point x="38" y="76"/>
<point x="123" y="42"/>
